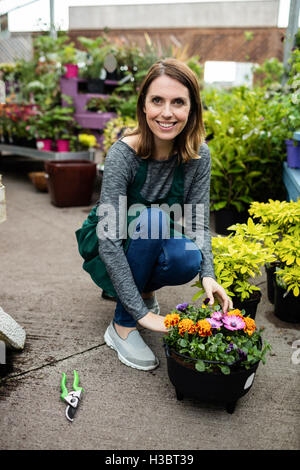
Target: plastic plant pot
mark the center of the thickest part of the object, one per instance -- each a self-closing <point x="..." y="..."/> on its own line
<point x="210" y="387"/>
<point x="63" y="145"/>
<point x="44" y="144"/>
<point x="293" y="153"/>
<point x="71" y="71"/>
<point x="286" y="306"/>
<point x="70" y="182"/>
<point x="250" y="305"/>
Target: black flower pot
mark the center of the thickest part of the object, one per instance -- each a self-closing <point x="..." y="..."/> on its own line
<point x="95" y="85"/>
<point x="270" y="271"/>
<point x="210" y="387"/>
<point x="286" y="307"/>
<point x="226" y="217"/>
<point x="249" y="305"/>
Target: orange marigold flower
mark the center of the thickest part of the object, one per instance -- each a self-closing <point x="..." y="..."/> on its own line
<point x="249" y="326"/>
<point x="203" y="327"/>
<point x="172" y="319"/>
<point x="186" y="325"/>
<point x="237" y="313"/>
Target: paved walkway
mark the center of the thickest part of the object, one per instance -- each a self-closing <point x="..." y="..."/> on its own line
<point x="44" y="288"/>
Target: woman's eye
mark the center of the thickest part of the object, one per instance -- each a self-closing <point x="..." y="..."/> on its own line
<point x="156" y="100"/>
<point x="178" y="101"/>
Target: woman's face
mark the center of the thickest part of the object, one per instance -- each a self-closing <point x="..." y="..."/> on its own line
<point x="167" y="107"/>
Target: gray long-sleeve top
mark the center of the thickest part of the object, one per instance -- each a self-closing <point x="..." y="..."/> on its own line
<point x="121" y="165"/>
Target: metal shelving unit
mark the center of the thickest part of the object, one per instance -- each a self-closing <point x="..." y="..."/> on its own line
<point x="44" y="155"/>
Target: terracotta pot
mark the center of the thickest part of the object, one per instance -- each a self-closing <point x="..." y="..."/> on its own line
<point x="70" y="182"/>
<point x="39" y="180"/>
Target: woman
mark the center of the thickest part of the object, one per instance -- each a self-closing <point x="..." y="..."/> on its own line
<point x="162" y="164"/>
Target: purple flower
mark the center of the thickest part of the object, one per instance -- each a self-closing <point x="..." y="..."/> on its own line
<point x="242" y="354"/>
<point x="182" y="307"/>
<point x="230" y="348"/>
<point x="206" y="301"/>
<point x="233" y="322"/>
<point x="217" y="316"/>
<point x="214" y="323"/>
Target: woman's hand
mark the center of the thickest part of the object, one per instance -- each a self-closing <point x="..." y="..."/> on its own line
<point x="153" y="322"/>
<point x="212" y="288"/>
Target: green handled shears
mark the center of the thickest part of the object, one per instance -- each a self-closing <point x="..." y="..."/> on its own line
<point x="73" y="397"/>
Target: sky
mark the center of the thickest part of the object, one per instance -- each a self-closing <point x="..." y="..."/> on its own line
<point x="36" y="16"/>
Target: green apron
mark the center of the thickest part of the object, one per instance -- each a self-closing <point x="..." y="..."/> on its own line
<point x="87" y="237"/>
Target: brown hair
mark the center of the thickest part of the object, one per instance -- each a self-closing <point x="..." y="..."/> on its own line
<point x="188" y="142"/>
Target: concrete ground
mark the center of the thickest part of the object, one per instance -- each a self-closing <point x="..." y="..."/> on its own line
<point x="43" y="287"/>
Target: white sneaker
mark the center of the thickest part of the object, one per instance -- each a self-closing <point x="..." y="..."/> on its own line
<point x="11" y="332"/>
<point x="132" y="351"/>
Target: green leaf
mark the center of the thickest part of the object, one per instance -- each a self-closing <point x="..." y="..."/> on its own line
<point x="225" y="369"/>
<point x="200" y="366"/>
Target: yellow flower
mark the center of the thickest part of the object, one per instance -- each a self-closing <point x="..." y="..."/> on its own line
<point x="236" y="312"/>
<point x="250" y="326"/>
<point x="186" y="325"/>
<point x="88" y="140"/>
<point x="203" y="327"/>
<point x="171" y="319"/>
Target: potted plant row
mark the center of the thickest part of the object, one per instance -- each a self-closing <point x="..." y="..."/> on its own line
<point x="276" y="228"/>
<point x="212" y="356"/>
<point x="53" y="125"/>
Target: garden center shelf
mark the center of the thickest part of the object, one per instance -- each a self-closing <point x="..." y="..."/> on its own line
<point x="43" y="155"/>
<point x="291" y="179"/>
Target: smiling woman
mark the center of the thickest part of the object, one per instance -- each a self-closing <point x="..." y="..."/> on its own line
<point x="163" y="163"/>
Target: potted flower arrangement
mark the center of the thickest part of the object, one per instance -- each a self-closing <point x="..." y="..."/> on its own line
<point x="55" y="124"/>
<point x="212" y="356"/>
<point x="236" y="260"/>
<point x="69" y="59"/>
<point x="94" y="71"/>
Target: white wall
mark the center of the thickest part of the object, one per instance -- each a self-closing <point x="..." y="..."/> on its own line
<point x="186" y="15"/>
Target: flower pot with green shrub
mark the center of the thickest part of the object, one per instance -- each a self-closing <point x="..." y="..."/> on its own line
<point x="236" y="261"/>
<point x="286" y="293"/>
<point x="276" y="226"/>
<point x="69" y="57"/>
<point x="212" y="356"/>
<point x="94" y="71"/>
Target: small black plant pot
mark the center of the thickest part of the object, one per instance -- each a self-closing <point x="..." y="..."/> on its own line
<point x="270" y="271"/>
<point x="95" y="85"/>
<point x="209" y="387"/>
<point x="226" y="217"/>
<point x="286" y="307"/>
<point x="249" y="305"/>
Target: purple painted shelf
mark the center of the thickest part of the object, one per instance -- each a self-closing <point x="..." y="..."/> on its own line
<point x="86" y="119"/>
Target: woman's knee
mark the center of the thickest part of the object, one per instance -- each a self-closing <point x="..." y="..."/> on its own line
<point x="184" y="258"/>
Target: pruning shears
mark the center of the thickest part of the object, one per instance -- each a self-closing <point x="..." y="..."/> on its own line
<point x="73" y="397"/>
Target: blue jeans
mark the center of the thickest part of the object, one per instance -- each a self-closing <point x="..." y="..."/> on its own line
<point x="157" y="261"/>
